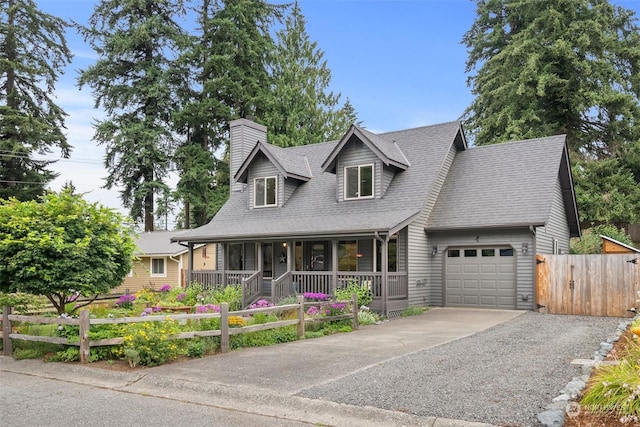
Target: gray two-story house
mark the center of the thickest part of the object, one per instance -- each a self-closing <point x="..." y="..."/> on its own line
<point x="415" y="215"/>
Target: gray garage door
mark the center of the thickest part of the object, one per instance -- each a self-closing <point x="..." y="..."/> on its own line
<point x="480" y="277"/>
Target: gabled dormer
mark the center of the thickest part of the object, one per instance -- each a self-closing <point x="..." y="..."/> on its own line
<point x="364" y="164"/>
<point x="271" y="175"/>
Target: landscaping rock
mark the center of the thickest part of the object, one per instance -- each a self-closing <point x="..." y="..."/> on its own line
<point x="552" y="418"/>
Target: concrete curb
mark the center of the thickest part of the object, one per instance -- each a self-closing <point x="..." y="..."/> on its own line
<point x="224" y="396"/>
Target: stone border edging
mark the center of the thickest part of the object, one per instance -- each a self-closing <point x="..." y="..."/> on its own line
<point x="563" y="404"/>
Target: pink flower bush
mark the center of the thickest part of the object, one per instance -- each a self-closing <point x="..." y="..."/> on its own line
<point x="208" y="308"/>
<point x="261" y="303"/>
<point x="316" y="296"/>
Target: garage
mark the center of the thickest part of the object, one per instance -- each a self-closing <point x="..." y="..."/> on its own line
<point x="480" y="277"/>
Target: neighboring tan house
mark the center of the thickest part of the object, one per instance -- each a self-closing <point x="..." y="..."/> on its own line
<point x="163" y="262"/>
<point x="415" y="215"/>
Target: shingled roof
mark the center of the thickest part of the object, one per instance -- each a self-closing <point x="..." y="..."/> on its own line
<point x="288" y="162"/>
<point x="505" y="185"/>
<point x="159" y="243"/>
<point x="385" y="148"/>
<point x="312" y="210"/>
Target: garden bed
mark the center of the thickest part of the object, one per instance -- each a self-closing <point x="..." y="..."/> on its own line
<point x="581" y="416"/>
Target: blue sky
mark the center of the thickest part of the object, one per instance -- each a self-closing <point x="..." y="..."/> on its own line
<point x="399" y="61"/>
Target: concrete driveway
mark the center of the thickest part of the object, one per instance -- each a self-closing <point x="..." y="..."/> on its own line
<point x="265" y="380"/>
<point x="292" y="367"/>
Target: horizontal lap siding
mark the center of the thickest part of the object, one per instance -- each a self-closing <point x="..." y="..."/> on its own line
<point x="525" y="264"/>
<point x="556" y="227"/>
<point x="354" y="155"/>
<point x="419" y="247"/>
<point x="261" y="168"/>
<point x="243" y="139"/>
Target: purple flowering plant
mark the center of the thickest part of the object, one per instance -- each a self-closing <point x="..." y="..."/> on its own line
<point x="319" y="296"/>
<point x="165" y="288"/>
<point x="125" y="301"/>
<point x="181" y="297"/>
<point x="261" y="303"/>
<point x="208" y="308"/>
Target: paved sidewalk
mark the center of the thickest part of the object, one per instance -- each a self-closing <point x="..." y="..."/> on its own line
<point x="265" y="380"/>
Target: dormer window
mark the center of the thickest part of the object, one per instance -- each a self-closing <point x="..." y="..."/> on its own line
<point x="265" y="191"/>
<point x="358" y="182"/>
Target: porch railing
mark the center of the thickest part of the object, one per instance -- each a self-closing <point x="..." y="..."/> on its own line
<point x="298" y="282"/>
<point x="282" y="287"/>
<point x="210" y="279"/>
<point x="312" y="281"/>
<point x="250" y="288"/>
<point x="398" y="286"/>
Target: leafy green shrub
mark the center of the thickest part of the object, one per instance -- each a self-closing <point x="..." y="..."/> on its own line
<point x="231" y="294"/>
<point x="365" y="296"/>
<point x="591" y="242"/>
<point x="194" y="294"/>
<point x="199" y="347"/>
<point x="290" y="299"/>
<point x="260" y="318"/>
<point x="28" y="353"/>
<point x="71" y="354"/>
<point x="34" y="349"/>
<point x="149" y="343"/>
<point x="412" y="310"/>
<point x="313" y="334"/>
<point x="21" y="302"/>
<point x="367" y="317"/>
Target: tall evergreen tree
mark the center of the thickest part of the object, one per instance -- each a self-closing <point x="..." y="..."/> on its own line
<point x="33" y="51"/>
<point x="134" y="81"/>
<point x="549" y="67"/>
<point x="301" y="109"/>
<point x="226" y="77"/>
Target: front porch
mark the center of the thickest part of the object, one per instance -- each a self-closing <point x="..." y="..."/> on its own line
<point x="298" y="282"/>
<point x="278" y="268"/>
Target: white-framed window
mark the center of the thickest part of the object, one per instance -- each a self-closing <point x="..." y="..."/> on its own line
<point x="265" y="191"/>
<point x="158" y="267"/>
<point x="358" y="182"/>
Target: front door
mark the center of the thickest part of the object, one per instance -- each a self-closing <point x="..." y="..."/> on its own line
<point x="267" y="260"/>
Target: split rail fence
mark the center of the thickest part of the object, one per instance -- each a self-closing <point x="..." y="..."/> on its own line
<point x="84" y="322"/>
<point x="588" y="285"/>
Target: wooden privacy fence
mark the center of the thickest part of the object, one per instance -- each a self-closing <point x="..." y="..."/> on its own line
<point x="84" y="322"/>
<point x="588" y="285"/>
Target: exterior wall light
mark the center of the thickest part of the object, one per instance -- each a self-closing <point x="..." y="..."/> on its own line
<point x="434" y="250"/>
<point x="525" y="248"/>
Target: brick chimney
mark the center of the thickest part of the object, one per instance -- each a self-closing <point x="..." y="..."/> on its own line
<point x="243" y="136"/>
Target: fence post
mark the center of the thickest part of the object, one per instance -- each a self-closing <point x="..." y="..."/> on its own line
<point x="84" y="336"/>
<point x="300" y="316"/>
<point x="7" y="345"/>
<point x="224" y="327"/>
<point x="354" y="310"/>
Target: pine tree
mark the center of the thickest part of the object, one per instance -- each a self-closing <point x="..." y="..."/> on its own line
<point x="549" y="67"/>
<point x="226" y="77"/>
<point x="134" y="81"/>
<point x="33" y="51"/>
<point x="301" y="109"/>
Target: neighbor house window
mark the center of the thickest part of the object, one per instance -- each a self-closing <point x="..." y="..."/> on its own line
<point x="157" y="267"/>
<point x="265" y="190"/>
<point x="358" y="182"/>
